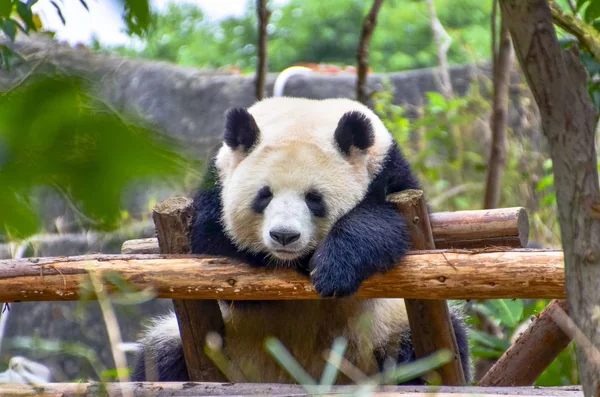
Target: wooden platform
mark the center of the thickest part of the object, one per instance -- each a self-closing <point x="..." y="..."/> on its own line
<point x="176" y="389"/>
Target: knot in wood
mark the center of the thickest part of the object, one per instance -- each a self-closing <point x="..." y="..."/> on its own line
<point x="590" y="256"/>
<point x="442" y="279"/>
<point x="416" y="220"/>
<point x="231" y="282"/>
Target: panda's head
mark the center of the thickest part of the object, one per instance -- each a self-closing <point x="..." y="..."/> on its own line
<point x="286" y="178"/>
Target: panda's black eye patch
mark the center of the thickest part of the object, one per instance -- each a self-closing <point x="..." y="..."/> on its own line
<point x="262" y="199"/>
<point x="314" y="201"/>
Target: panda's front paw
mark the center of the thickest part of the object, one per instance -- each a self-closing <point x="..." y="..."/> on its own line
<point x="332" y="277"/>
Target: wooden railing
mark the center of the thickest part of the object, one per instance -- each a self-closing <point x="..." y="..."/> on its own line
<point x="482" y="257"/>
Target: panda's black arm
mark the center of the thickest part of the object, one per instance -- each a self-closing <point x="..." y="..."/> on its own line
<point x="370" y="239"/>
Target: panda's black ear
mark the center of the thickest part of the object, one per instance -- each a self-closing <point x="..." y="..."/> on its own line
<point x="354" y="129"/>
<point x="241" y="130"/>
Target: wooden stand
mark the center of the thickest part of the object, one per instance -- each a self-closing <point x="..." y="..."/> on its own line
<point x="430" y="324"/>
<point x="196" y="318"/>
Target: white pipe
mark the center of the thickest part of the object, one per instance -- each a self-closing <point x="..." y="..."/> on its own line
<point x="284" y="76"/>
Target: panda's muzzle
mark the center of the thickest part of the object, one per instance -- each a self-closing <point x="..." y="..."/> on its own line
<point x="284" y="237"/>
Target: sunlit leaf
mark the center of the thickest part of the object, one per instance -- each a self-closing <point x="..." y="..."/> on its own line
<point x="437" y="101"/>
<point x="545" y="182"/>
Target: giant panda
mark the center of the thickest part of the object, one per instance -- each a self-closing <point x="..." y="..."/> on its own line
<point x="302" y="184"/>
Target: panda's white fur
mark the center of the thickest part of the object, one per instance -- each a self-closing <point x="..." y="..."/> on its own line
<point x="295" y="152"/>
<point x="306" y="328"/>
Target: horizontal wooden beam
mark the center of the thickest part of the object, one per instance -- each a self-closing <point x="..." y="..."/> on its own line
<point x="501" y="227"/>
<point x="188" y="389"/>
<point x="437" y="274"/>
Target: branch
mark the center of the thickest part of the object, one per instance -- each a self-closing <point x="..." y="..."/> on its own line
<point x="444" y="274"/>
<point x="558" y="82"/>
<point x="499" y="119"/>
<point x="442" y="41"/>
<point x="363" y="51"/>
<point x="261" y="69"/>
<point x="586" y="34"/>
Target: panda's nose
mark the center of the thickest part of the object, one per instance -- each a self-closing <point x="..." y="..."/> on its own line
<point x="283" y="236"/>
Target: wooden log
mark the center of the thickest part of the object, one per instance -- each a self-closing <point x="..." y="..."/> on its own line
<point x="430" y="323"/>
<point x="440" y="274"/>
<point x="140" y="246"/>
<point x="480" y="228"/>
<point x="531" y="353"/>
<point x="196" y="318"/>
<point x="189" y="389"/>
<point x="503" y="227"/>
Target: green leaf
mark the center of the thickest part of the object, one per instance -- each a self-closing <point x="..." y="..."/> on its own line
<point x="59" y="12"/>
<point x="592" y="12"/>
<point x="437" y="101"/>
<point x="5" y="8"/>
<point x="489" y="340"/>
<point x="545" y="182"/>
<point x="580" y="4"/>
<point x="9" y="28"/>
<point x="548" y="200"/>
<point x="136" y="14"/>
<point x="507" y="310"/>
<point x="483" y="352"/>
<point x="26" y="15"/>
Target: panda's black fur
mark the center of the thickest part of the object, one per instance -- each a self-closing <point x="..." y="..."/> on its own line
<point x="364" y="234"/>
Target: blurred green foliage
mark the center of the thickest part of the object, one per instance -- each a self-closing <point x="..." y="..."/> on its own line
<point x="54" y="133"/>
<point x="317" y="31"/>
<point x="17" y="15"/>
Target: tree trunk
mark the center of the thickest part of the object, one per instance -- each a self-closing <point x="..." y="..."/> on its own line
<point x="499" y="119"/>
<point x="558" y="82"/>
<point x="363" y="52"/>
<point x="442" y="42"/>
<point x="261" y="67"/>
